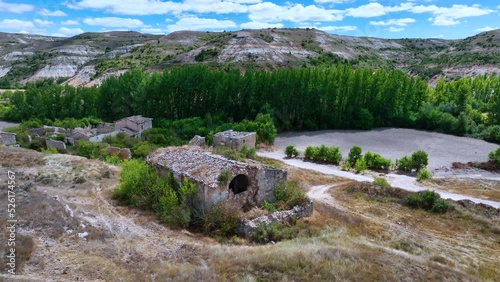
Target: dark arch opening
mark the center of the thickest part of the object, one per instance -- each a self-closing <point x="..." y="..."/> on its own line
<point x="239" y="184"/>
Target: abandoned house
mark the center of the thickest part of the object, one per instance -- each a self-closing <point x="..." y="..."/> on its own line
<point x="248" y="185"/>
<point x="134" y="125"/>
<point x="235" y="139"/>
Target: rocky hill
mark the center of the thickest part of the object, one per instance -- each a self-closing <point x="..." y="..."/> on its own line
<point x="87" y="58"/>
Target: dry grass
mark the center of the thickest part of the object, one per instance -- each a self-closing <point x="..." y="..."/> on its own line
<point x="479" y="188"/>
<point x="12" y="157"/>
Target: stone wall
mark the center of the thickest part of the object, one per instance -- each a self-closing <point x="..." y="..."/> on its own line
<point x="267" y="178"/>
<point x="248" y="226"/>
<point x="234" y="139"/>
<point x="8" y="138"/>
<point x="123" y="153"/>
<point x="59" y="145"/>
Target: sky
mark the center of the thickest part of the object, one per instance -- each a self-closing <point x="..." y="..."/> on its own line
<point x="376" y="18"/>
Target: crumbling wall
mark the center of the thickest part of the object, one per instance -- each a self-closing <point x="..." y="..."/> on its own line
<point x="267" y="178"/>
<point x="246" y="226"/>
<point x="123" y="153"/>
<point x="59" y="145"/>
<point x="8" y="138"/>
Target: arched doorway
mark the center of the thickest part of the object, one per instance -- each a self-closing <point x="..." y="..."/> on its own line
<point x="239" y="184"/>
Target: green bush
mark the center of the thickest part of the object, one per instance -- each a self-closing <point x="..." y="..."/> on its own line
<point x="382" y="182"/>
<point x="494" y="156"/>
<point x="360" y="165"/>
<point x="375" y="161"/>
<point x="291" y="151"/>
<point x="248" y="153"/>
<point x="142" y="149"/>
<point x="224" y="177"/>
<point x="274" y="232"/>
<point x="354" y="155"/>
<point x="423" y="175"/>
<point x="289" y="193"/>
<point x="404" y="164"/>
<point x="268" y="206"/>
<point x="427" y="200"/>
<point x="308" y="153"/>
<point x="333" y="155"/>
<point x="90" y="150"/>
<point x="223" y="219"/>
<point x="113" y="159"/>
<point x="51" y="150"/>
<point x="419" y="160"/>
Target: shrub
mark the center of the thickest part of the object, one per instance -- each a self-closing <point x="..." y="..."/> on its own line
<point x="224" y="177"/>
<point x="291" y="151"/>
<point x="375" y="161"/>
<point x="360" y="165"/>
<point x="354" y="155"/>
<point x="308" y="153"/>
<point x="89" y="149"/>
<point x="268" y="206"/>
<point x="427" y="200"/>
<point x="419" y="160"/>
<point x="133" y="177"/>
<point x="274" y="232"/>
<point x="223" y="219"/>
<point x="494" y="156"/>
<point x="333" y="155"/>
<point x="289" y="193"/>
<point x="142" y="149"/>
<point x="50" y="150"/>
<point x="113" y="159"/>
<point x="423" y="175"/>
<point x="248" y="153"/>
<point x="382" y="182"/>
<point x="404" y="164"/>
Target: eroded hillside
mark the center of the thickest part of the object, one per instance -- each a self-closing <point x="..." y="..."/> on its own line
<point x="87" y="58"/>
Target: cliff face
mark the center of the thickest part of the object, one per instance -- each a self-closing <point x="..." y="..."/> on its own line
<point x="89" y="57"/>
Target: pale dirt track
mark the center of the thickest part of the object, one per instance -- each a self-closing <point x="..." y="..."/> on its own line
<point x="394" y="143"/>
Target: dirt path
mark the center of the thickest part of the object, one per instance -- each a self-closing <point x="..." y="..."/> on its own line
<point x="395" y="180"/>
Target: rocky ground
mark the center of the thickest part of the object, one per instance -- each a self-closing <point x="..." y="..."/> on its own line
<point x="71" y="230"/>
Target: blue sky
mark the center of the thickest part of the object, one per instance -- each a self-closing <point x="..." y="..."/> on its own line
<point x="377" y="18"/>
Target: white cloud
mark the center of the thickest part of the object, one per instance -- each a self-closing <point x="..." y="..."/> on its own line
<point x="43" y="22"/>
<point x="487" y="28"/>
<point x="67" y="32"/>
<point x="155" y="7"/>
<point x="270" y="12"/>
<point x="338" y="28"/>
<point x="397" y="22"/>
<point x="15" y="24"/>
<point x="195" y="23"/>
<point x="375" y="9"/>
<point x="332" y="1"/>
<point x="395" y="29"/>
<point x="260" y="25"/>
<point x="58" y="13"/>
<point x="152" y="30"/>
<point x="70" y="22"/>
<point x="15" y="8"/>
<point x="114" y="22"/>
<point x="449" y="16"/>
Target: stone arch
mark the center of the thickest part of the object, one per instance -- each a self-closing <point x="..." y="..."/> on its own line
<point x="239" y="184"/>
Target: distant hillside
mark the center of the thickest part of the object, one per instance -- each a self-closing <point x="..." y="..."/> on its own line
<point x="87" y="58"/>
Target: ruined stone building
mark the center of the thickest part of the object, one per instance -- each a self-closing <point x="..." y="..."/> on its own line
<point x="248" y="185"/>
<point x="7" y="139"/>
<point x="235" y="139"/>
<point x="134" y="125"/>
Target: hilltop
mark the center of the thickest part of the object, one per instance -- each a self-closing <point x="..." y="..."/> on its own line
<point x="87" y="58"/>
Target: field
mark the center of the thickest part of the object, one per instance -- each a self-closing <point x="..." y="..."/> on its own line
<point x="359" y="239"/>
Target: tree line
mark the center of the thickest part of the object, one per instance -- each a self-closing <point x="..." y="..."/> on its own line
<point x="337" y="97"/>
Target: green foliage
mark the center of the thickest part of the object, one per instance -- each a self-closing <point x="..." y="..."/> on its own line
<point x="223" y="219"/>
<point x="360" y="165"/>
<point x="354" y="155"/>
<point x="494" y="156"/>
<point x="419" y="160"/>
<point x="268" y="206"/>
<point x="121" y="140"/>
<point x="382" y="182"/>
<point x="324" y="154"/>
<point x="113" y="159"/>
<point x="135" y="176"/>
<point x="333" y="155"/>
<point x="404" y="164"/>
<point x="229" y="153"/>
<point x="273" y="232"/>
<point x="224" y="178"/>
<point x="289" y="193"/>
<point x="375" y="161"/>
<point x="51" y="150"/>
<point x="248" y="153"/>
<point x="427" y="200"/>
<point x="90" y="150"/>
<point x="423" y="175"/>
<point x="291" y="151"/>
<point x="206" y="54"/>
<point x="142" y="149"/>
<point x="309" y="152"/>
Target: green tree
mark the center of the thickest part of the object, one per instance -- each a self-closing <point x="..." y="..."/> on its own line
<point x="354" y="155"/>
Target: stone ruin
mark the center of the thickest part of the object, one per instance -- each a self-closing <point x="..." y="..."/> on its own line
<point x="235" y="139"/>
<point x="7" y="139"/>
<point x="197" y="141"/>
<point x="59" y="145"/>
<point x="248" y="185"/>
<point x="123" y="153"/>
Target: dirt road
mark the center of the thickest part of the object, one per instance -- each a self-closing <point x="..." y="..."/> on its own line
<point x="395" y="180"/>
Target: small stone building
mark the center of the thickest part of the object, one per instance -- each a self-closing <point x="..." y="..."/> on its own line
<point x="134" y="124"/>
<point x="248" y="183"/>
<point x="235" y="139"/>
